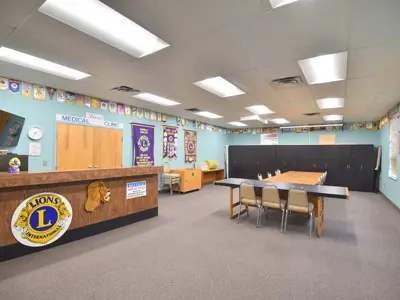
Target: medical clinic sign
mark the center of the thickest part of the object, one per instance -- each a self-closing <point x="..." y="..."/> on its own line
<point x="90" y="119"/>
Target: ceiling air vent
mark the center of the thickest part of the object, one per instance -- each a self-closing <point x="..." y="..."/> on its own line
<point x="193" y="110"/>
<point x="287" y="82"/>
<point x="311" y="114"/>
<point x="125" y="89"/>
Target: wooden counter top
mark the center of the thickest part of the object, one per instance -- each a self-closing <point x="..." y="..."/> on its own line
<point x="42" y="178"/>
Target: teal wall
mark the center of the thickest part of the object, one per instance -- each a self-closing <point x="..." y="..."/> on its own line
<point x="361" y="136"/>
<point x="388" y="186"/>
<point x="43" y="114"/>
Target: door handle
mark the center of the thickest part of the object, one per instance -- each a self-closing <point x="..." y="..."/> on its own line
<point x="96" y="166"/>
<point x="361" y="167"/>
<point x="90" y="166"/>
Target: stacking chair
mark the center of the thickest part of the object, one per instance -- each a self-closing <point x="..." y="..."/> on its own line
<point x="269" y="175"/>
<point x="247" y="197"/>
<point x="259" y="176"/>
<point x="171" y="178"/>
<point x="271" y="200"/>
<point x="298" y="202"/>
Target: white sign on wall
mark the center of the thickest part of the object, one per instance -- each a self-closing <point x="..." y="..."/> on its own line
<point x="269" y="139"/>
<point x="89" y="120"/>
<point x="135" y="189"/>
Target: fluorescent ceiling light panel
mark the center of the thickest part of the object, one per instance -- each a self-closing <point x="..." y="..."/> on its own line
<point x="207" y="114"/>
<point x="325" y="68"/>
<point x="333" y="118"/>
<point x="36" y="63"/>
<point x="105" y="24"/>
<point x="309" y="126"/>
<point x="155" y="99"/>
<point x="259" y="110"/>
<point x="277" y="3"/>
<point x="219" y="86"/>
<point x="280" y="121"/>
<point x="239" y="124"/>
<point x="250" y="118"/>
<point x="330" y="103"/>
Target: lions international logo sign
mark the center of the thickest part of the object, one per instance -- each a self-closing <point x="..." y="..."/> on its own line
<point x="41" y="219"/>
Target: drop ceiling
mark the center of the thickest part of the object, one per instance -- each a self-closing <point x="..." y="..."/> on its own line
<point x="245" y="42"/>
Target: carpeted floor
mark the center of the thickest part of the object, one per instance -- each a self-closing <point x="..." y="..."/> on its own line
<point x="193" y="251"/>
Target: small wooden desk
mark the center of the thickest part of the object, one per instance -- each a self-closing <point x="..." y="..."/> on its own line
<point x="212" y="175"/>
<point x="303" y="178"/>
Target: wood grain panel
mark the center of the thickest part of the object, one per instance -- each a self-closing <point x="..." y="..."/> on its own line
<point x="74" y="147"/>
<point x="107" y="148"/>
<point x="35" y="178"/>
<point x="76" y="193"/>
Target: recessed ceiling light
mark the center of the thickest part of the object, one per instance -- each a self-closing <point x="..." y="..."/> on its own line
<point x="277" y="3"/>
<point x="259" y="110"/>
<point x="330" y="103"/>
<point x="105" y="24"/>
<point x="325" y="68"/>
<point x="207" y="114"/>
<point x="239" y="124"/>
<point x="36" y="63"/>
<point x="219" y="86"/>
<point x="280" y="121"/>
<point x="250" y="118"/>
<point x="155" y="99"/>
<point x="333" y="118"/>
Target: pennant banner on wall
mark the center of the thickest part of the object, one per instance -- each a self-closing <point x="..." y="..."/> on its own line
<point x="14" y="86"/>
<point x="80" y="99"/>
<point x="170" y="142"/>
<point x="61" y="96"/>
<point x="3" y="83"/>
<point x="51" y="92"/>
<point x="39" y="92"/>
<point x="26" y="89"/>
<point x="190" y="140"/>
<point x="143" y="144"/>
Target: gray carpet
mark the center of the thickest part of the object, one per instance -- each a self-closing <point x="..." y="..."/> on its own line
<point x="193" y="251"/>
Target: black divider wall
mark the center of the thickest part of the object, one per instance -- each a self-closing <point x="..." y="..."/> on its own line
<point x="352" y="166"/>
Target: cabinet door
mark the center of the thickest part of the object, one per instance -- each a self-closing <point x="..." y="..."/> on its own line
<point x="235" y="161"/>
<point x="107" y="148"/>
<point x="74" y="147"/>
<point x="285" y="158"/>
<point x="363" y="158"/>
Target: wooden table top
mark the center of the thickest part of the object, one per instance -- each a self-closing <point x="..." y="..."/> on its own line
<point x="296" y="177"/>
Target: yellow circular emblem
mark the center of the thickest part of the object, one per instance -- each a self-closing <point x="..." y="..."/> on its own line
<point x="41" y="219"/>
<point x="144" y="143"/>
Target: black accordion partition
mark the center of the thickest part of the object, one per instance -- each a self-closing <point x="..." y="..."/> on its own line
<point x="352" y="166"/>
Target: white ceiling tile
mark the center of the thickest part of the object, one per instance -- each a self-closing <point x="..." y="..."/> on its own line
<point x="14" y="12"/>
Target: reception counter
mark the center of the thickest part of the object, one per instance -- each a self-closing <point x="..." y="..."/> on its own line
<point x="94" y="201"/>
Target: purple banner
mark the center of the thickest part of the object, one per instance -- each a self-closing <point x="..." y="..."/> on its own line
<point x="190" y="139"/>
<point x="170" y="142"/>
<point x="143" y="144"/>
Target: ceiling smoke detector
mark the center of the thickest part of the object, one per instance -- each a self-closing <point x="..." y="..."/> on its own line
<point x="287" y="82"/>
<point x="125" y="89"/>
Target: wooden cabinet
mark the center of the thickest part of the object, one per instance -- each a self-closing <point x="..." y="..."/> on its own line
<point x="212" y="175"/>
<point x="83" y="147"/>
<point x="190" y="179"/>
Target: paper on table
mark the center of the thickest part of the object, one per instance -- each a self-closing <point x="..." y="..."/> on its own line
<point x="35" y="149"/>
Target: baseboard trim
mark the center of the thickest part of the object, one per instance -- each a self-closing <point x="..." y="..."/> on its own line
<point x="16" y="250"/>
<point x="390" y="201"/>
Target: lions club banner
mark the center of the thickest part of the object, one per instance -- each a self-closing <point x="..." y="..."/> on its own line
<point x="143" y="144"/>
<point x="170" y="142"/>
<point x="190" y="138"/>
<point x="41" y="219"/>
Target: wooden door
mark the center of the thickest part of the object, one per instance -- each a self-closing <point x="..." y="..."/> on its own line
<point x="74" y="147"/>
<point x="107" y="148"/>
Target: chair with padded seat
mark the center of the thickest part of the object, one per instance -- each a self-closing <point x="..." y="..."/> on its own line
<point x="298" y="202"/>
<point x="270" y="200"/>
<point x="171" y="178"/>
<point x="247" y="197"/>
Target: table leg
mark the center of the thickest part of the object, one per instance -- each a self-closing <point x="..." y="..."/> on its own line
<point x="233" y="205"/>
<point x="320" y="215"/>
